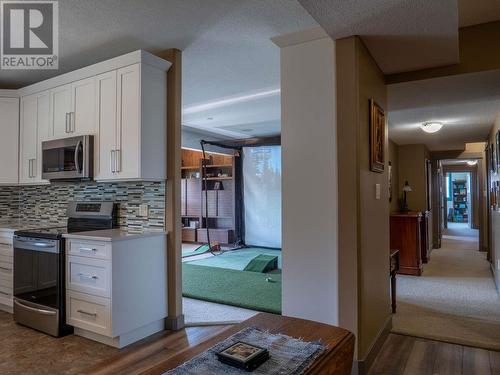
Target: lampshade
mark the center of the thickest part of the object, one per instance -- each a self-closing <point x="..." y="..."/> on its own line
<point x="407" y="187"/>
<point x="431" y="126"/>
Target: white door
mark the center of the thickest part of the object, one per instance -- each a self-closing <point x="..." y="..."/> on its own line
<point x="43" y="130"/>
<point x="9" y="141"/>
<point x="60" y="110"/>
<point x="105" y="144"/>
<point x="28" y="139"/>
<point x="128" y="120"/>
<point x="82" y="118"/>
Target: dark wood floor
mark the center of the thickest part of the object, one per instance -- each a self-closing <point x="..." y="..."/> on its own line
<point x="26" y="351"/>
<point x="406" y="355"/>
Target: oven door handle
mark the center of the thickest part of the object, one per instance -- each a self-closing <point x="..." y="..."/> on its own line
<point x="77" y="161"/>
<point x="39" y="311"/>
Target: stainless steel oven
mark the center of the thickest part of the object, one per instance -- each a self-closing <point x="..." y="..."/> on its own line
<point x="68" y="158"/>
<point x="38" y="283"/>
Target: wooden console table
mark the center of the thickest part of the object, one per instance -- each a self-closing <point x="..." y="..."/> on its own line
<point x="337" y="358"/>
<point x="407" y="238"/>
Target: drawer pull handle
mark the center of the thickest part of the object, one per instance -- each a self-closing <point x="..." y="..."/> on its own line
<point x="5" y="294"/>
<point x="5" y="269"/>
<point x="88" y="249"/>
<point x="85" y="276"/>
<point x="86" y="313"/>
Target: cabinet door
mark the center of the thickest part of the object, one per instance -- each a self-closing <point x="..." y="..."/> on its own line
<point x="105" y="143"/>
<point x="9" y="141"/>
<point x="128" y="120"/>
<point x="43" y="131"/>
<point x="82" y="118"/>
<point x="28" y="138"/>
<point x="60" y="110"/>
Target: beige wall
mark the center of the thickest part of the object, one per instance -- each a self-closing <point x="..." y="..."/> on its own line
<point x="412" y="169"/>
<point x="363" y="219"/>
<point x="394" y="159"/>
<point x="495" y="216"/>
<point x="478" y="49"/>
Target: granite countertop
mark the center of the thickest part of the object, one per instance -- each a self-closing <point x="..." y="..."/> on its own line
<point x="110" y="235"/>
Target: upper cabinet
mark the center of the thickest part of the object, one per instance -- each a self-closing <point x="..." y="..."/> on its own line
<point x="121" y="101"/>
<point x="132" y="140"/>
<point x="34" y="129"/>
<point x="72" y="108"/>
<point x="9" y="140"/>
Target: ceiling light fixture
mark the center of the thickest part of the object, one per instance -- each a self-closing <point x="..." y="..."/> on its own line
<point x="431" y="126"/>
<point x="471" y="162"/>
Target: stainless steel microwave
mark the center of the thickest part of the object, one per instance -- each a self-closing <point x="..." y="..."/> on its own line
<point x="68" y="158"/>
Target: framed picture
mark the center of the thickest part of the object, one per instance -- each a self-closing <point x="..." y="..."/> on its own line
<point x="377" y="137"/>
<point x="389" y="170"/>
<point x="497" y="149"/>
<point x="492" y="158"/>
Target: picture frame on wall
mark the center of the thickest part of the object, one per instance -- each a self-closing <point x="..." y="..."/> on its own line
<point x="389" y="170"/>
<point x="492" y="158"/>
<point x="497" y="150"/>
<point x="377" y="137"/>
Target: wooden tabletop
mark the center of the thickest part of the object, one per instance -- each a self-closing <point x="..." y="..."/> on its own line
<point x="337" y="359"/>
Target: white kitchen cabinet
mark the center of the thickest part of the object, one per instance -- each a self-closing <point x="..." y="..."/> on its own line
<point x="60" y="110"/>
<point x="34" y="128"/>
<point x="133" y="146"/>
<point x="6" y="270"/>
<point x="82" y="117"/>
<point x="73" y="108"/>
<point x="9" y="141"/>
<point x="116" y="285"/>
<point x="105" y="142"/>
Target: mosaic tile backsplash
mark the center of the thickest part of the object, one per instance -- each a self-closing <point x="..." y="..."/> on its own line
<point x="47" y="203"/>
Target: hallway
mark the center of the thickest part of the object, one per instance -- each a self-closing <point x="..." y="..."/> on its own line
<point x="455" y="300"/>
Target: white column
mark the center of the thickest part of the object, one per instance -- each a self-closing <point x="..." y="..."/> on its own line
<point x="309" y="170"/>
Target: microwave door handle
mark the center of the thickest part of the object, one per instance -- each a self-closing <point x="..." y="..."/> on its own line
<point x="77" y="161"/>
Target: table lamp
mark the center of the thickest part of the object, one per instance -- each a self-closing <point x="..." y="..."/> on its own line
<point x="406" y="189"/>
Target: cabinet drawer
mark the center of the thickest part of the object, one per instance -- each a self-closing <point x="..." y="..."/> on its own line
<point x="6" y="266"/>
<point x="7" y="284"/>
<point x="88" y="312"/>
<point x="6" y="241"/>
<point x="6" y="274"/>
<point x="90" y="249"/>
<point x="6" y="251"/>
<point x="6" y="290"/>
<point x="7" y="259"/>
<point x="88" y="275"/>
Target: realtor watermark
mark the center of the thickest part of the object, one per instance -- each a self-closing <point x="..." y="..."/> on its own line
<point x="29" y="34"/>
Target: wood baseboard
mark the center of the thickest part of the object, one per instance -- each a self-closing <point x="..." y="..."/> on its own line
<point x="361" y="367"/>
<point x="175" y="323"/>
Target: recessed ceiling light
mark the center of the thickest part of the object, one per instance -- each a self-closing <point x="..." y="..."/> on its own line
<point x="431" y="126"/>
<point x="472" y="162"/>
<point x="210" y="118"/>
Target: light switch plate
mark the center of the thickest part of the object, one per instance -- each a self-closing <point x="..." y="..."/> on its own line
<point x="377" y="191"/>
<point x="144" y="210"/>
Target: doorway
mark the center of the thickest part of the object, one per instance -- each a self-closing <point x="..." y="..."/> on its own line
<point x="458" y="200"/>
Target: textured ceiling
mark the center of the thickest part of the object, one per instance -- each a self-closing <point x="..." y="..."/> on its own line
<point x="475" y="12"/>
<point x="227" y="51"/>
<point x="401" y="35"/>
<point x="467" y="105"/>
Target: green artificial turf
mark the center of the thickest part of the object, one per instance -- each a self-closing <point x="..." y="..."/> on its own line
<point x="236" y="259"/>
<point x="249" y="290"/>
